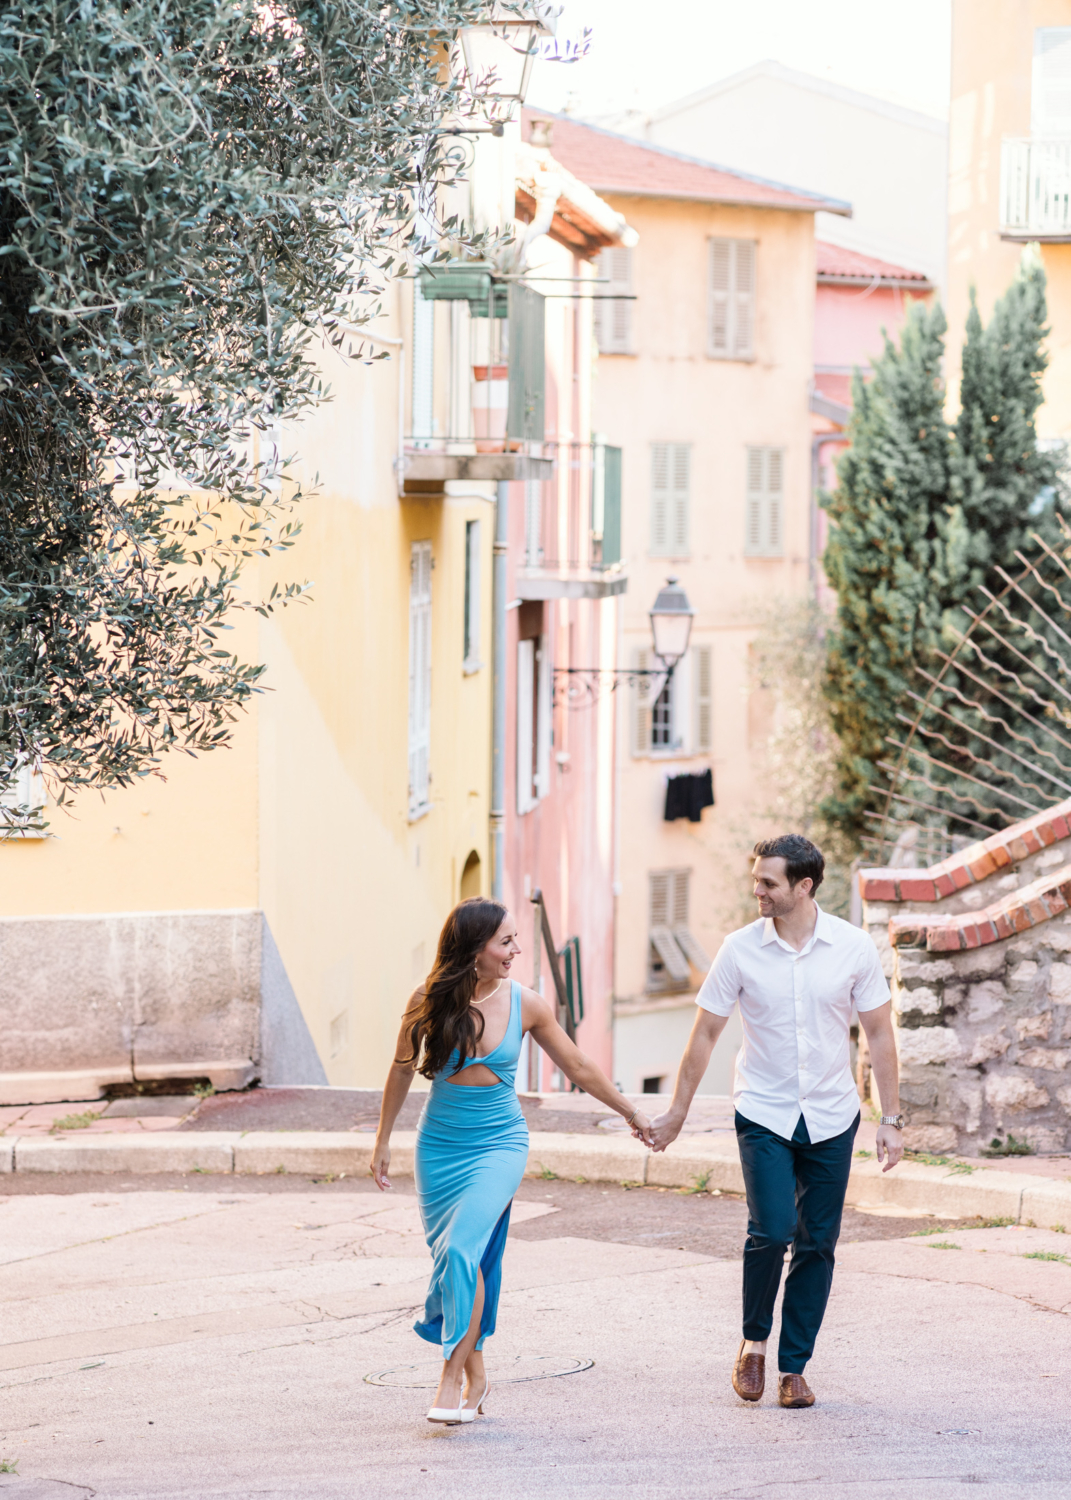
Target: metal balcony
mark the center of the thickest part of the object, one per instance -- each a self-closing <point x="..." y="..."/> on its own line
<point x="1035" y="189"/>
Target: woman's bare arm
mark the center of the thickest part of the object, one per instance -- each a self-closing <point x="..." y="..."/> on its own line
<point x="395" y="1090"/>
<point x="541" y="1023"/>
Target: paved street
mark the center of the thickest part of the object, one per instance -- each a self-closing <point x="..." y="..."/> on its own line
<point x="172" y="1338"/>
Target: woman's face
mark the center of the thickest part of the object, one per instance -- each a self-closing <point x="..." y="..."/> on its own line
<point x="494" y="961"/>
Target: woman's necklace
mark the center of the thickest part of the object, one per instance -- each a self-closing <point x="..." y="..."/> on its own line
<point x="491" y="996"/>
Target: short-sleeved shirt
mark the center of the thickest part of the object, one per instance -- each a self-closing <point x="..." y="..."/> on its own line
<point x="796" y="1013"/>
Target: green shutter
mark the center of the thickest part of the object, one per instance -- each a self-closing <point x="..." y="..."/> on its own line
<point x="611" y="507"/>
<point x="524" y="419"/>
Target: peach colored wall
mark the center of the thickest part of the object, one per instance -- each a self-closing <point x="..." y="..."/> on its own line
<point x="848" y="322"/>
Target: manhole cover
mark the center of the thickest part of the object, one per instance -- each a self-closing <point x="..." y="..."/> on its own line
<point x="425" y="1377"/>
<point x="959" y="1432"/>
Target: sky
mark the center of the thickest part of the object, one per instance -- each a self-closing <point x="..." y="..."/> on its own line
<point x="644" y="55"/>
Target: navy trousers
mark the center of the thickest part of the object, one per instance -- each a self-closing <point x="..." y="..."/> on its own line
<point x="795" y="1196"/>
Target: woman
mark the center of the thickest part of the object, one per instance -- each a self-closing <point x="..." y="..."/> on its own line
<point x="462" y="1029"/>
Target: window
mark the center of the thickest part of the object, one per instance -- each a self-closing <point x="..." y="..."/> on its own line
<point x="423" y="366"/>
<point x="419" y="676"/>
<point x="472" y="662"/>
<point x="703" y="694"/>
<point x="22" y="802"/>
<point x="764" y="517"/>
<point x="655" y="724"/>
<point x="533" y="722"/>
<point x="672" y="951"/>
<point x="731" y="300"/>
<point x="1050" y="94"/>
<point x="613" y="318"/>
<point x="670" y="475"/>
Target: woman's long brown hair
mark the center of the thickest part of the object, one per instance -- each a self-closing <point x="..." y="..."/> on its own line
<point x="444" y="1018"/>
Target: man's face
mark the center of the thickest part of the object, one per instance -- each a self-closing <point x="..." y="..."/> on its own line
<point x="775" y="896"/>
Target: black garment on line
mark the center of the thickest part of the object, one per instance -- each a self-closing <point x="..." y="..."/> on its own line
<point x="686" y="796"/>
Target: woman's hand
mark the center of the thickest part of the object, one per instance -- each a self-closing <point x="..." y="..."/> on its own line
<point x="381" y="1165"/>
<point x="640" y="1127"/>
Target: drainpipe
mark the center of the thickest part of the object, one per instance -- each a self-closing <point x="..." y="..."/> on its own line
<point x="498" y="693"/>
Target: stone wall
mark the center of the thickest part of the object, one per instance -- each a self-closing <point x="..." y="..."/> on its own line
<point x="91" y="1002"/>
<point x="978" y="953"/>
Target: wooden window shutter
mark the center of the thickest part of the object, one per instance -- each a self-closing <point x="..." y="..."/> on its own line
<point x="670" y="490"/>
<point x="660" y="499"/>
<point x="764" y="519"/>
<point x="731" y="299"/>
<point x="526" y="685"/>
<point x="744" y="300"/>
<point x="613" y="304"/>
<point x="703" y="682"/>
<point x="641" y="711"/>
<point x="774" y="501"/>
<point x="679" y="512"/>
<point x="721" y="278"/>
<point x="753" y="527"/>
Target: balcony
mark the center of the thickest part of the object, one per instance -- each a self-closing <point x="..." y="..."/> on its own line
<point x="1035" y="189"/>
<point x="572" y="527"/>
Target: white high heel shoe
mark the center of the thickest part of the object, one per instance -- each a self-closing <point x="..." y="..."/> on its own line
<point x="477" y="1410"/>
<point x="451" y="1415"/>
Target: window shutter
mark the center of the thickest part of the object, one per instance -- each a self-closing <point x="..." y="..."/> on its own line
<point x="641" y="712"/>
<point x="525" y="727"/>
<point x="419" y="675"/>
<point x="670" y="486"/>
<point x="423" y="357"/>
<point x="1050" y="94"/>
<point x="544" y="709"/>
<point x="703" y="680"/>
<point x="744" y="300"/>
<point x="731" y="299"/>
<point x="764" y="520"/>
<point x="721" y="273"/>
<point x="679" y="909"/>
<point x="660" y="500"/>
<point x="613" y="318"/>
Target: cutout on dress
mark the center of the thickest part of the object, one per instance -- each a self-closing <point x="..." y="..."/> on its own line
<point x="459" y="1078"/>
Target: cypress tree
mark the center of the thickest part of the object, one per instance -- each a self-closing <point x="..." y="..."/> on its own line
<point x="891" y="538"/>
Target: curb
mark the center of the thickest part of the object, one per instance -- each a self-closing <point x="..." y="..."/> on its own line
<point x="687" y="1163"/>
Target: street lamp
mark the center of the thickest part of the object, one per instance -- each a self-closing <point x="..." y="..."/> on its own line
<point x="499" y="54"/>
<point x="671" y="623"/>
<point x="671" y="627"/>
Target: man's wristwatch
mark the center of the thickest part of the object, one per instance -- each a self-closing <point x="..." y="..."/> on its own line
<point x="897" y="1120"/>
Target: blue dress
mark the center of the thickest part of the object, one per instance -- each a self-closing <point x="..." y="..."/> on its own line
<point x="471" y="1153"/>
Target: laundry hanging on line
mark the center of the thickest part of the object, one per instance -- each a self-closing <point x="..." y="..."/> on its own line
<point x="686" y="796"/>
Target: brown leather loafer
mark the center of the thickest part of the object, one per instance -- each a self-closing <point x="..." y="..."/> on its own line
<point x="793" y="1390"/>
<point x="749" y="1375"/>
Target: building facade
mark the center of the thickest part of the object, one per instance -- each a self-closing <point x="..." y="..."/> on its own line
<point x="706" y="347"/>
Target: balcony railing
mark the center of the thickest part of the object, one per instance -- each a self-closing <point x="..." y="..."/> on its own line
<point x="1035" y="188"/>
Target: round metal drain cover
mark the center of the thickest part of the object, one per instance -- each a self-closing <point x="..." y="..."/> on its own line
<point x="425" y="1377"/>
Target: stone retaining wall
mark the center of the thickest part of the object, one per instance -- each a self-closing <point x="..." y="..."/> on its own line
<point x="978" y="953"/>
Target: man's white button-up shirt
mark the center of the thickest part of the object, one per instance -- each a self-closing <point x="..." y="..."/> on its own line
<point x="796" y="1012"/>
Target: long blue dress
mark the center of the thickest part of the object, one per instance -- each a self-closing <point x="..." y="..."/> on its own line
<point x="471" y="1152"/>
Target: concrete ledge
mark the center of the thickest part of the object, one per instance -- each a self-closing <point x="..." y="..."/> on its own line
<point x="690" y="1160"/>
<point x="936" y="1190"/>
<point x="1047" y="1203"/>
<point x="313" y="1151"/>
<point x="606" y="1159"/>
<point x="7" y="1155"/>
<point x="55" y="1088"/>
<point x="166" y="1151"/>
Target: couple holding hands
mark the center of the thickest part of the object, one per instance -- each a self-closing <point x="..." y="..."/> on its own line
<point x="796" y="973"/>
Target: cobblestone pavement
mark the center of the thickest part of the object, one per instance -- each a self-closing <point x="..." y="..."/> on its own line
<point x="171" y="1338"/>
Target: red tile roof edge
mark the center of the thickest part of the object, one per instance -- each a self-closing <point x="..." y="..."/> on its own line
<point x="837" y="265"/>
<point x="1045" y="897"/>
<point x="971" y="864"/>
<point x="803" y="198"/>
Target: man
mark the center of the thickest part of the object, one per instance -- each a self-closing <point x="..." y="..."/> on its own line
<point x="796" y="973"/>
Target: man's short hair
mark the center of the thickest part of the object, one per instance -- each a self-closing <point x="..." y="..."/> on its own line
<point x="803" y="860"/>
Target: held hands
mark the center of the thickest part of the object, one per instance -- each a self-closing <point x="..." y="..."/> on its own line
<point x="380" y="1167"/>
<point x="640" y="1127"/>
<point x="890" y="1143"/>
<point x="664" y="1129"/>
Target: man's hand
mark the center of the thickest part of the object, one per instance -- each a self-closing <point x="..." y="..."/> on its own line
<point x="890" y="1143"/>
<point x="664" y="1129"/>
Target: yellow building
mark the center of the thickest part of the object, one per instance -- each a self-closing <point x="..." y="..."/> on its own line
<point x="1009" y="166"/>
<point x="265" y="910"/>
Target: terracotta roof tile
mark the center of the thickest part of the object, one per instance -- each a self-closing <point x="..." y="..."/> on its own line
<point x="835" y="263"/>
<point x="612" y="163"/>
